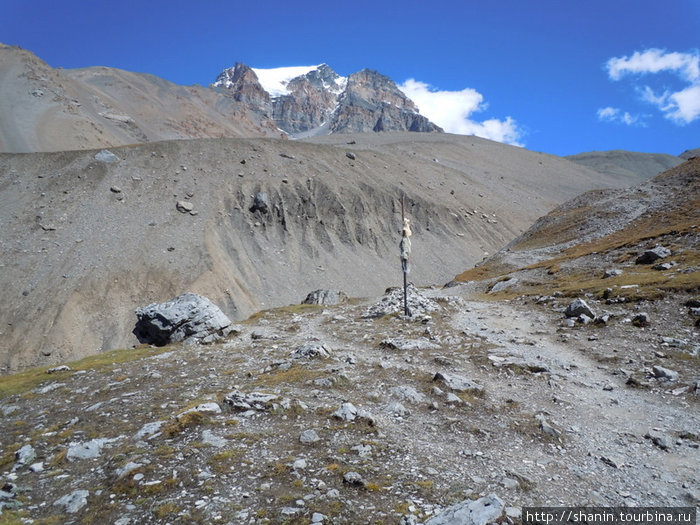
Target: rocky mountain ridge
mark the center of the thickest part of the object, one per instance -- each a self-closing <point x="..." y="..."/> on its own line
<point x="320" y="101"/>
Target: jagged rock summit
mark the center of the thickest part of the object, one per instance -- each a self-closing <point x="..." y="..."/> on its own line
<point x="314" y="100"/>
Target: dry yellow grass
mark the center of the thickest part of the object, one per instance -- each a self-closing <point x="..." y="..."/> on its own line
<point x="293" y="376"/>
<point x="680" y="216"/>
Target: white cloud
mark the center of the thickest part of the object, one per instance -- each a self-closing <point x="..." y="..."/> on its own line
<point x="686" y="65"/>
<point x="607" y="114"/>
<point x="616" y="115"/>
<point x="451" y="111"/>
<point x="681" y="106"/>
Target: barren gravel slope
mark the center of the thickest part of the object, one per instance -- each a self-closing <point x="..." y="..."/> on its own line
<point x="86" y="242"/>
<point x="630" y="166"/>
<point x="47" y="109"/>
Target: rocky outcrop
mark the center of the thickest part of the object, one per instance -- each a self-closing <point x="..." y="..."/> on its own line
<point x="311" y="101"/>
<point x="242" y="83"/>
<point x="579" y="307"/>
<point x="188" y="317"/>
<point x="373" y="102"/>
<point x="653" y="255"/>
<point x="325" y="297"/>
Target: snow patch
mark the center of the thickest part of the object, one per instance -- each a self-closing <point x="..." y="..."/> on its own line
<point x="275" y="80"/>
<point x="341" y="83"/>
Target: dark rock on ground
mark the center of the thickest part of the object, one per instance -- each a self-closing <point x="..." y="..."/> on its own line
<point x="260" y="203"/>
<point x="653" y="255"/>
<point x="641" y="320"/>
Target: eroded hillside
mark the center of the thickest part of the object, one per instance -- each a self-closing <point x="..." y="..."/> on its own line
<point x="89" y="237"/>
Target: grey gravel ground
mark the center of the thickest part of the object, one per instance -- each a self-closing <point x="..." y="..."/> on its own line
<point x="549" y="419"/>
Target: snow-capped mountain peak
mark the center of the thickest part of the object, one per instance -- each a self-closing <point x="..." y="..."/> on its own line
<point x="310" y="100"/>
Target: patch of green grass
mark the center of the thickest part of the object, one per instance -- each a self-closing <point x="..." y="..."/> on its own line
<point x="165" y="452"/>
<point x="22" y="516"/>
<point x="23" y="382"/>
<point x="58" y="459"/>
<point x="426" y="485"/>
<point x="650" y="284"/>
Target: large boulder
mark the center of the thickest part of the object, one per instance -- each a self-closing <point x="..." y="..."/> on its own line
<point x="479" y="512"/>
<point x="260" y="203"/>
<point x="325" y="297"/>
<point x="579" y="307"/>
<point x="189" y="317"/>
<point x="653" y="255"/>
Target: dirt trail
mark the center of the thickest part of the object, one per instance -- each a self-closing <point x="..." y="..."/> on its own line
<point x="588" y="399"/>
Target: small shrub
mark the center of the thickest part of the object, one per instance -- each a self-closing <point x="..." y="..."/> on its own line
<point x="221" y="462"/>
<point x="166" y="509"/>
<point x="9" y="456"/>
<point x="427" y="485"/>
<point x="184" y="421"/>
<point x="59" y="458"/>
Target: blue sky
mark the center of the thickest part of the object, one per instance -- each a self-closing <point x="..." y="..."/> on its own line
<point x="562" y="77"/>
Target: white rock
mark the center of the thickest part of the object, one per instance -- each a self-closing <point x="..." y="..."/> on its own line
<point x="309" y="436"/>
<point x="408" y="393"/>
<point x="25" y="455"/>
<point x="106" y="156"/>
<point x="127" y="469"/>
<point x="346" y="412"/>
<point x="212" y="408"/>
<point x="148" y="430"/>
<point x="468" y="512"/>
<point x="73" y="502"/>
<point x="88" y="450"/>
<point x="209" y="438"/>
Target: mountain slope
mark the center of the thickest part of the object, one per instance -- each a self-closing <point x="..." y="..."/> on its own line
<point x="570" y="247"/>
<point x="46" y="109"/>
<point x="88" y="241"/>
<point x="630" y="166"/>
